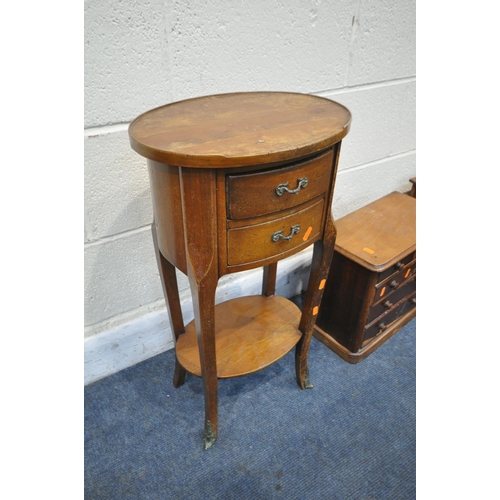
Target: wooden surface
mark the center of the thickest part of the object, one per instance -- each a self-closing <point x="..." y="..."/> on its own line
<point x="358" y="356"/>
<point x="250" y="333"/>
<point x="413" y="190"/>
<point x="253" y="243"/>
<point x="167" y="208"/>
<point x="254" y="194"/>
<point x="370" y="291"/>
<point x="218" y="166"/>
<point x="378" y="234"/>
<point x="239" y="129"/>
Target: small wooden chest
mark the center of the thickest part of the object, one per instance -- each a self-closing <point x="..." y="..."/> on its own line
<point x="370" y="292"/>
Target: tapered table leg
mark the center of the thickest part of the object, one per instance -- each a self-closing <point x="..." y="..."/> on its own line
<point x="204" y="306"/>
<point x="200" y="229"/>
<point x="269" y="279"/>
<point x="322" y="257"/>
<point x="171" y="293"/>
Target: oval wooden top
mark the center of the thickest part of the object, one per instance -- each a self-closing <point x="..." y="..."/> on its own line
<point x="247" y="128"/>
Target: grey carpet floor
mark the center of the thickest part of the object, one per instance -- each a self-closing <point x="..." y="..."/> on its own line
<point x="350" y="437"/>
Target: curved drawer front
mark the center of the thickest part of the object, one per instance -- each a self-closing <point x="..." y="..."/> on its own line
<point x="263" y="241"/>
<point x="262" y="193"/>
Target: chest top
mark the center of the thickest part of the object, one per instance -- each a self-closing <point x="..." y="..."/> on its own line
<point x="239" y="129"/>
<point x="380" y="233"/>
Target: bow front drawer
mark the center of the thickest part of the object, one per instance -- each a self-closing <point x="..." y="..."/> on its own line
<point x="278" y="237"/>
<point x="262" y="193"/>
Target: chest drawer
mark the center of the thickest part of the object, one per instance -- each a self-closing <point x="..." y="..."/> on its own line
<point x="383" y="322"/>
<point x="283" y="235"/>
<point x="403" y="262"/>
<point x="393" y="282"/>
<point x="262" y="193"/>
<point x="402" y="291"/>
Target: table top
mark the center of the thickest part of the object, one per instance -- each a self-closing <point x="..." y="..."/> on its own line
<point x="239" y="129"/>
<point x="380" y="233"/>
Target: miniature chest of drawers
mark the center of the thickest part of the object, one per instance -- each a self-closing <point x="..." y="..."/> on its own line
<point x="371" y="288"/>
<point x="240" y="181"/>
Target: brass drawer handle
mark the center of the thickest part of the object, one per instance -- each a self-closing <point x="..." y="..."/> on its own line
<point x="278" y="235"/>
<point x="388" y="304"/>
<point x="301" y="183"/>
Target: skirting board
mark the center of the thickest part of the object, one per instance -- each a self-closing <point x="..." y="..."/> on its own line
<point x="113" y="350"/>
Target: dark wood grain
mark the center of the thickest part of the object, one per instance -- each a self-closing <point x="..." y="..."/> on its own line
<point x="269" y="279"/>
<point x="413" y="190"/>
<point x="370" y="290"/>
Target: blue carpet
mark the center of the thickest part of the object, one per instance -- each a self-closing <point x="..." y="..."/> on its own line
<point x="350" y="437"/>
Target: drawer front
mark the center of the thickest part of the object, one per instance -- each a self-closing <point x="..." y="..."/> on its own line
<point x="279" y="236"/>
<point x="382" y="322"/>
<point x="262" y="193"/>
<point x="397" y="267"/>
<point x="384" y="288"/>
<point x="395" y="296"/>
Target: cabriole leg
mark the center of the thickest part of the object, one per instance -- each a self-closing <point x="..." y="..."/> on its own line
<point x="322" y="257"/>
<point x="171" y="293"/>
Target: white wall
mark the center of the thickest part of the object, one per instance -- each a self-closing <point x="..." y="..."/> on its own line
<point x="146" y="53"/>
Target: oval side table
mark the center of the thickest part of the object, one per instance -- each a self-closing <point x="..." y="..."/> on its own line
<point x="241" y="181"/>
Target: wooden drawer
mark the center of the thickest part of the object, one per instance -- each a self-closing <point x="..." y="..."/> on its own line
<point x="397" y="267"/>
<point x="279" y="236"/>
<point x="262" y="193"/>
<point x="395" y="296"/>
<point x="382" y="322"/>
<point x="393" y="282"/>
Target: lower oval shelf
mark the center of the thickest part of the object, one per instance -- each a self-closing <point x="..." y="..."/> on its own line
<point x="251" y="333"/>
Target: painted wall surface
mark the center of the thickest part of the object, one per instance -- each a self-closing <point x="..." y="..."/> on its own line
<point x="145" y="53"/>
